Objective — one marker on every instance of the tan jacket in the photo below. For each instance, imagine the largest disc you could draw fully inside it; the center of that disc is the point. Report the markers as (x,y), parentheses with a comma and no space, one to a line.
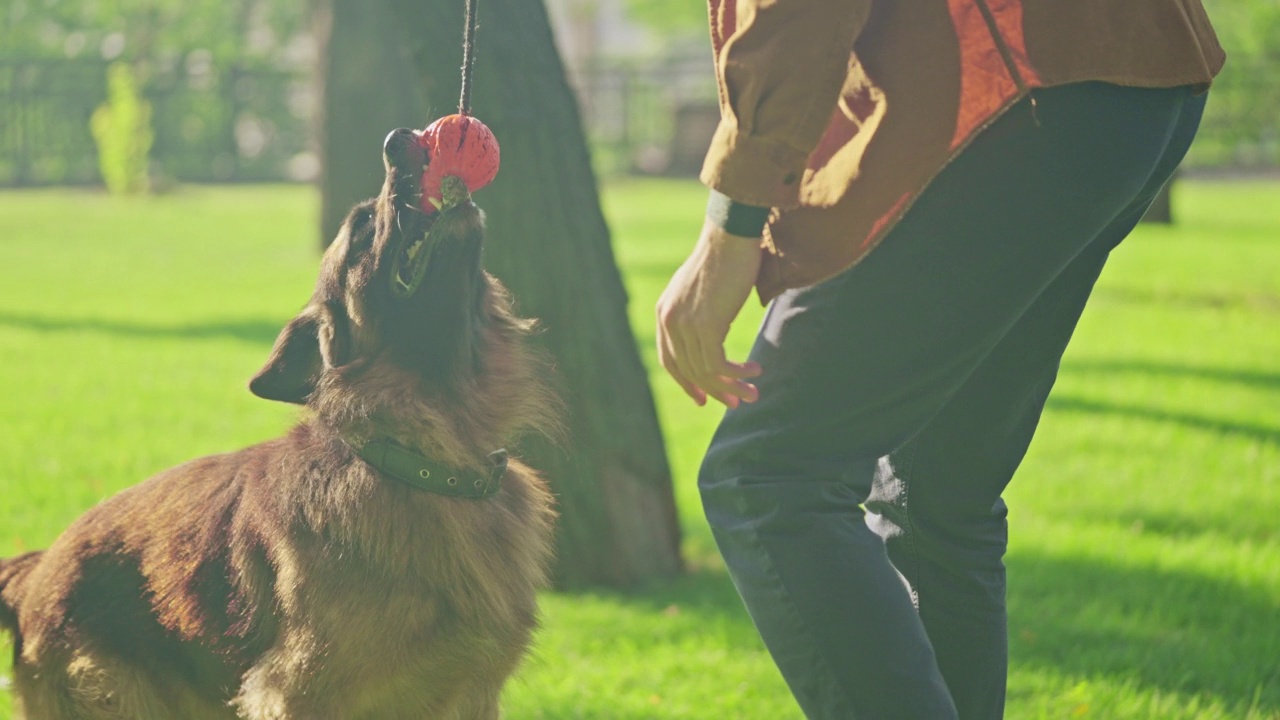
(838,113)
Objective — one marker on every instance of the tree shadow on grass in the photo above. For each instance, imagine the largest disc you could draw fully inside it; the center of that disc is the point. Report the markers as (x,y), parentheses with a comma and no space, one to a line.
(1254,431)
(576,709)
(1251,378)
(1254,301)
(1248,526)
(699,603)
(256,331)
(1171,630)
(1168,630)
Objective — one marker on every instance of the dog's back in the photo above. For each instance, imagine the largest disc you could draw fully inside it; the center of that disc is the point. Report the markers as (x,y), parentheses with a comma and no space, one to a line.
(241,585)
(13,573)
(138,609)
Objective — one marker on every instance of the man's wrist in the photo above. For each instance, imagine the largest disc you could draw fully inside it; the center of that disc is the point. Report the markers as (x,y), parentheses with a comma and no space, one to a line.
(736,218)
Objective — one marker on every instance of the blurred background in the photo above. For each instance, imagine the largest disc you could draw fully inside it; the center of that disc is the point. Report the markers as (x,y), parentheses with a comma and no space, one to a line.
(231,87)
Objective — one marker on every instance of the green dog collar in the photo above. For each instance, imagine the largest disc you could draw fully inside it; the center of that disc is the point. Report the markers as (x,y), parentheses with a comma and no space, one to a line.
(413,469)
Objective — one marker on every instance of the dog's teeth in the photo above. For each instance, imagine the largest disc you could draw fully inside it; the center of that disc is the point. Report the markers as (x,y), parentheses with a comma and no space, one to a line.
(412,250)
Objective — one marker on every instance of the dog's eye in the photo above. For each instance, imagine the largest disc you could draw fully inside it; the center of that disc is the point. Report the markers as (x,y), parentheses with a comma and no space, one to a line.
(362,238)
(362,231)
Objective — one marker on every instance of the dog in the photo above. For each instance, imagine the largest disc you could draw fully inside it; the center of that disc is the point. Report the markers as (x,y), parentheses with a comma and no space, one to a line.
(381,560)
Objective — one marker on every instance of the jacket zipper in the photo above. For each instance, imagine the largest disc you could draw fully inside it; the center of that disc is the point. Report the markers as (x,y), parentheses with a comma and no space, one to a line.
(1006,55)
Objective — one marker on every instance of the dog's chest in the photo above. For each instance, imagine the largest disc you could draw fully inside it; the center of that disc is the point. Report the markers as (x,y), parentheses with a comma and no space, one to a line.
(375,650)
(390,600)
(409,602)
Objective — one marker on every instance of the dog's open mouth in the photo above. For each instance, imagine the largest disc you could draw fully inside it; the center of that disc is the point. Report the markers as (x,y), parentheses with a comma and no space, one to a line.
(413,256)
(412,243)
(418,246)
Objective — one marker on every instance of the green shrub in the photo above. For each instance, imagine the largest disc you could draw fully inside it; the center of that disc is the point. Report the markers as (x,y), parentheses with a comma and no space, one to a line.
(121,127)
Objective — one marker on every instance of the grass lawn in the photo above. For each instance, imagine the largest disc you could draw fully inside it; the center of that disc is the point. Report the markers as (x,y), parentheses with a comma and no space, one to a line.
(1145,562)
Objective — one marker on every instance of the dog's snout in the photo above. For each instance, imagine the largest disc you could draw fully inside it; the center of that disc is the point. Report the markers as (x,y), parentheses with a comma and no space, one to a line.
(401,149)
(397,138)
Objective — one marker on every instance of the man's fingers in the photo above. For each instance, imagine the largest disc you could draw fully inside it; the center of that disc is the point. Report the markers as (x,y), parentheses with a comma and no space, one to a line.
(736,389)
(718,376)
(747,391)
(693,391)
(688,372)
(698,365)
(741,371)
(683,342)
(729,401)
(669,360)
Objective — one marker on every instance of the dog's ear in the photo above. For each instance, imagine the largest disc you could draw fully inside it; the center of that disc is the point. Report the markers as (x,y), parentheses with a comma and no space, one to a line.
(335,335)
(316,339)
(290,373)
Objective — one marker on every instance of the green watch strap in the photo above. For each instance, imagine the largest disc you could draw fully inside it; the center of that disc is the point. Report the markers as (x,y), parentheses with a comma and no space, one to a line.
(413,469)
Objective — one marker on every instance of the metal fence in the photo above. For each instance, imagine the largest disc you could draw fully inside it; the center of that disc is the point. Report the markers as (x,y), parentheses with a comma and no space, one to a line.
(658,118)
(252,122)
(1241,126)
(44,121)
(651,117)
(212,124)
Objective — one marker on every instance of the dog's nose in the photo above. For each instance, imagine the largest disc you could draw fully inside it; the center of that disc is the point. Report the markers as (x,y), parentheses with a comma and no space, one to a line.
(401,149)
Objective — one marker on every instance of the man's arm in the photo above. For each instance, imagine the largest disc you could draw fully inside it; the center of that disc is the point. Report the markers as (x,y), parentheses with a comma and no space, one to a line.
(780,65)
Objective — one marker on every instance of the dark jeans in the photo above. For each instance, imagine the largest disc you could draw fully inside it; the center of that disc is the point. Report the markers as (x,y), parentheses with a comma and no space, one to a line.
(910,386)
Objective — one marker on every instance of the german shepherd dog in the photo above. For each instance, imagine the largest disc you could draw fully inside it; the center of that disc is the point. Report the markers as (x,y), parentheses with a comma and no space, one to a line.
(379,561)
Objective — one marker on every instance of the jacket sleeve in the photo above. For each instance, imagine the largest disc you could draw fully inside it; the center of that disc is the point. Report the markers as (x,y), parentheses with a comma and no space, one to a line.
(780,65)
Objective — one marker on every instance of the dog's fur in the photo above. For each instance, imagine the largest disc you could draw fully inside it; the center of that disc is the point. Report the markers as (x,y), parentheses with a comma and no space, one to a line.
(291,579)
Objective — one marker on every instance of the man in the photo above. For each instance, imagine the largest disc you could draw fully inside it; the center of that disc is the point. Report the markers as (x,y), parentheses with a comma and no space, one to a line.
(926,192)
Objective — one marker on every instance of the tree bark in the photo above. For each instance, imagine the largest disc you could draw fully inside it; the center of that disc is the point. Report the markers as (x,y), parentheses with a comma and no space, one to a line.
(548,242)
(368,88)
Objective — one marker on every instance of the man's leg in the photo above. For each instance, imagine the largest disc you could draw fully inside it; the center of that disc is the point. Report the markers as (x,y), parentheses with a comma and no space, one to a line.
(855,367)
(936,501)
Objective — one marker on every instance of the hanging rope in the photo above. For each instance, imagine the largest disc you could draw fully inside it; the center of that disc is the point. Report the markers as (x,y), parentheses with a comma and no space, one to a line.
(468,58)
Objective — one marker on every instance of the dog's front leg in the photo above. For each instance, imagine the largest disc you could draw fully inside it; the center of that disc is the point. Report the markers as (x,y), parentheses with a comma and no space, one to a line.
(273,689)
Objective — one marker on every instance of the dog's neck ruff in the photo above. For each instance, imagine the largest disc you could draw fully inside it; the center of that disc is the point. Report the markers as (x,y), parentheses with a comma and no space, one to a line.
(417,471)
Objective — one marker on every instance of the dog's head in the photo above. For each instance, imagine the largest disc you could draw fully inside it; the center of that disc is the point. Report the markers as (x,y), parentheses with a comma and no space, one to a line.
(402,314)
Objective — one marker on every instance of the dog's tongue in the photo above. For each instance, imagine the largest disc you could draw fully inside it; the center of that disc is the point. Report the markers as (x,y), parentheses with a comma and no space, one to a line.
(457,146)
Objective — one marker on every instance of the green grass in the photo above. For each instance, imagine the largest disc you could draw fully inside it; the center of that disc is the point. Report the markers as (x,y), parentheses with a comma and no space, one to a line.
(1145,561)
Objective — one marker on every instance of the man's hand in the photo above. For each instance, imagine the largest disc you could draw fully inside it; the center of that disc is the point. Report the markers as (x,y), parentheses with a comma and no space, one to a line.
(694,313)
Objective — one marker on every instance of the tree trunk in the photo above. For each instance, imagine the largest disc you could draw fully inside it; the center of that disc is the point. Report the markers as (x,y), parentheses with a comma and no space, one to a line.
(1161,210)
(368,88)
(387,63)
